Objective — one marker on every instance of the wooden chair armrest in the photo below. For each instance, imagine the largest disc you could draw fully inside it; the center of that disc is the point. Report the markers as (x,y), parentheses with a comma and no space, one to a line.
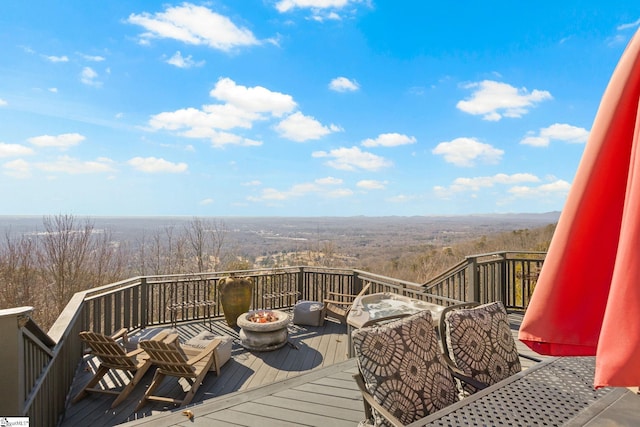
(370,400)
(330,301)
(135,352)
(121,333)
(338,294)
(205,351)
(166,337)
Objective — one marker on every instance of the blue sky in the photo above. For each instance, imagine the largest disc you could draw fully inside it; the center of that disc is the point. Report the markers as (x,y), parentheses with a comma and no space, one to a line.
(300,107)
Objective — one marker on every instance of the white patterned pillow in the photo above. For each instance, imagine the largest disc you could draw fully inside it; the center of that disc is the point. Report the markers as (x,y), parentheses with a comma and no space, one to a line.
(403,368)
(481,343)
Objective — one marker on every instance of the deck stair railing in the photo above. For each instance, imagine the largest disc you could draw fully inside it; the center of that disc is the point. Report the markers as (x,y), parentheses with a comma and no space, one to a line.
(506,276)
(37,368)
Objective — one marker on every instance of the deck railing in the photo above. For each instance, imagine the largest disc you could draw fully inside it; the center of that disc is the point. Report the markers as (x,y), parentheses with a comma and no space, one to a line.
(40,367)
(509,277)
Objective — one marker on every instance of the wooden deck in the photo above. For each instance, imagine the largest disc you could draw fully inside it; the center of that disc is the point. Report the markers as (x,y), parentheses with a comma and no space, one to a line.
(309,380)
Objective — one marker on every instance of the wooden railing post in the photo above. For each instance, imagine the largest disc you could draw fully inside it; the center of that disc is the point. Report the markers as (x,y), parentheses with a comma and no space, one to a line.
(501,282)
(144,303)
(301,285)
(473,280)
(357,283)
(12,361)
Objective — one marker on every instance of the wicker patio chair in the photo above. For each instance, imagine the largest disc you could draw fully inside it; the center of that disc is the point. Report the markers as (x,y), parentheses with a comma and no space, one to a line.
(112,355)
(170,359)
(402,375)
(477,342)
(338,305)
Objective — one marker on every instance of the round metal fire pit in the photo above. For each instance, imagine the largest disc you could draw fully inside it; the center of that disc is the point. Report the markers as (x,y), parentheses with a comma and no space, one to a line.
(270,334)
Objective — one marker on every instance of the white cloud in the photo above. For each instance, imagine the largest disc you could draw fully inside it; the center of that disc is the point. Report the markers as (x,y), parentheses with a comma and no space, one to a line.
(155,165)
(340,192)
(320,187)
(371,184)
(558,187)
(401,198)
(217,116)
(629,25)
(558,132)
(3,102)
(53,89)
(343,84)
(13,150)
(287,5)
(269,194)
(74,166)
(205,202)
(494,100)
(17,168)
(94,58)
(476,184)
(183,62)
(194,25)
(535,141)
(519,186)
(353,158)
(329,180)
(564,132)
(253,183)
(53,58)
(221,139)
(321,10)
(389,140)
(466,151)
(89,77)
(298,127)
(242,107)
(255,99)
(209,123)
(62,141)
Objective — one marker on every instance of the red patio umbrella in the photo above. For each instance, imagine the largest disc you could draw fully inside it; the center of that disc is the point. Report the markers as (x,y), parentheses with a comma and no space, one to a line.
(587,298)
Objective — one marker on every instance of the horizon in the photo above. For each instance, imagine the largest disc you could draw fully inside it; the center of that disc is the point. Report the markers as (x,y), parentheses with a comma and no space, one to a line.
(300,109)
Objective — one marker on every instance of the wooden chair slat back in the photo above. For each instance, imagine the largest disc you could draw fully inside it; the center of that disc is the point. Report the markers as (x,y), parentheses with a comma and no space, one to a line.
(108,351)
(168,356)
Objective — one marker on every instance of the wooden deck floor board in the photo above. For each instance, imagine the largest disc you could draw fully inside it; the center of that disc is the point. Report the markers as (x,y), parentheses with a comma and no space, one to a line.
(249,419)
(332,401)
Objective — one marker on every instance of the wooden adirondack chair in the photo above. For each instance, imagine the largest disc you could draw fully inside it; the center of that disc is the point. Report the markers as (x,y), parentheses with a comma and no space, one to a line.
(170,359)
(338,305)
(112,355)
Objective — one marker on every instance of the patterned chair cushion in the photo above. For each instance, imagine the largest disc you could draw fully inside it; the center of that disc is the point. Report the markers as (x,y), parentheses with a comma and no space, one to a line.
(403,369)
(481,344)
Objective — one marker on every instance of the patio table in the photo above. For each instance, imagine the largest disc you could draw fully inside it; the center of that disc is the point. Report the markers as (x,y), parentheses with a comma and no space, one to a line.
(371,309)
(558,391)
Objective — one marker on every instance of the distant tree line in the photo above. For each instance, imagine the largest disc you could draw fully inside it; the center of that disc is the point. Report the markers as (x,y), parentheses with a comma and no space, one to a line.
(44,269)
(420,265)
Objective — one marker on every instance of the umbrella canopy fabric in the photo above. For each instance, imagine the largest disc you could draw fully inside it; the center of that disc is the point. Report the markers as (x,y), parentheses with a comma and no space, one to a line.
(587,298)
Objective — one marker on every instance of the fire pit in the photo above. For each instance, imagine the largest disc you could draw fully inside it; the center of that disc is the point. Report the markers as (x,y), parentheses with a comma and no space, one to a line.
(263,330)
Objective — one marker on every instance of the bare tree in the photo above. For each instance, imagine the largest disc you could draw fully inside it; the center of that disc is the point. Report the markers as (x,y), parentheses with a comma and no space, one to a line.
(63,254)
(107,259)
(206,239)
(18,271)
(197,237)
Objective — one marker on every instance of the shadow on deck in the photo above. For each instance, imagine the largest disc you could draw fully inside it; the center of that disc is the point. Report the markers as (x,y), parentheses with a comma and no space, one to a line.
(309,348)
